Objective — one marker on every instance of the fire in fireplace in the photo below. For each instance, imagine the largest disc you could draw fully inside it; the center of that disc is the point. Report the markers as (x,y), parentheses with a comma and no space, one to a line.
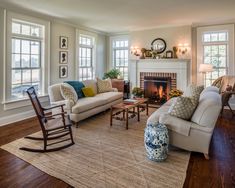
(157,89)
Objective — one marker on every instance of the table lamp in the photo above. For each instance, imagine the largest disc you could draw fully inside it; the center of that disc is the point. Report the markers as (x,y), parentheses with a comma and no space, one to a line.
(205,68)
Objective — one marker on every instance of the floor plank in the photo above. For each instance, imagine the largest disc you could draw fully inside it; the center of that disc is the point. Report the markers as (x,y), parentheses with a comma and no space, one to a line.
(219,171)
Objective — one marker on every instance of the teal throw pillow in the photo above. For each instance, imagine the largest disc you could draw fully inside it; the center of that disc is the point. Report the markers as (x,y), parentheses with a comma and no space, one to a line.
(77,87)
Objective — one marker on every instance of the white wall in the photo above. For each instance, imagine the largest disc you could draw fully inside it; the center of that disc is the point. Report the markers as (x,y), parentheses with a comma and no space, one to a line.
(172,35)
(57,29)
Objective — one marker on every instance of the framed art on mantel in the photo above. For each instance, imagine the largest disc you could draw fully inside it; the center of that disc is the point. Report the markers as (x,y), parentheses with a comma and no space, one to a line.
(63,42)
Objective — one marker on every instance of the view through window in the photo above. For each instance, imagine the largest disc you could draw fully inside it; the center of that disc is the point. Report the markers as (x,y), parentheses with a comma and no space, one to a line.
(26,69)
(120,57)
(86,64)
(215,52)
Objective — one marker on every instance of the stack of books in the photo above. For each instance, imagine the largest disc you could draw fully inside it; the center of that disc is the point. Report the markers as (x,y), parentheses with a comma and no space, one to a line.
(130,101)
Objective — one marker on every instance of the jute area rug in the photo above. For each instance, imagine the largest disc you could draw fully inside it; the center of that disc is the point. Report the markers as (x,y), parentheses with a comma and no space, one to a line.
(105,156)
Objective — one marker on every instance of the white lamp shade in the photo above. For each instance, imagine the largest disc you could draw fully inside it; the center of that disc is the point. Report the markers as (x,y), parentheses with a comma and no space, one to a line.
(204,68)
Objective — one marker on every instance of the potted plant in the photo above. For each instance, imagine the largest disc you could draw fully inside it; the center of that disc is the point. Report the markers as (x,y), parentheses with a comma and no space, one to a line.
(137,92)
(112,74)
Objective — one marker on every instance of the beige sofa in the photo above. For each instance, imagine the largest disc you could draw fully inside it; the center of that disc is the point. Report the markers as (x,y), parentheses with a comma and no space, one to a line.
(87,106)
(194,135)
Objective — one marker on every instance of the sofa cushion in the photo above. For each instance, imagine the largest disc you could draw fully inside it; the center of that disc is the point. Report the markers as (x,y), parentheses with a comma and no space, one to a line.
(183,107)
(77,86)
(68,93)
(88,92)
(87,103)
(92,84)
(208,109)
(104,85)
(191,90)
(211,88)
(109,96)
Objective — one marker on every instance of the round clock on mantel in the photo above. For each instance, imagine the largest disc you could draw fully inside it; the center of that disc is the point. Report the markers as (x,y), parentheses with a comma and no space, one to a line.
(158,45)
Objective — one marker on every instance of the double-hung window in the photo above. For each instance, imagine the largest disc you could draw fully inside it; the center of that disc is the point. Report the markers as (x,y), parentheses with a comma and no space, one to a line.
(86,57)
(215,52)
(120,51)
(26,52)
(215,47)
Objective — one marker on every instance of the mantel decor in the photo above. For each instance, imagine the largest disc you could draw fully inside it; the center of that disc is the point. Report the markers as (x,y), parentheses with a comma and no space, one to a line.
(158,45)
(169,54)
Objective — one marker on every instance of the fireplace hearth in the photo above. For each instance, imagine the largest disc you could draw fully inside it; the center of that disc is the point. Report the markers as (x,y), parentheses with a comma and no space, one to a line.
(156,89)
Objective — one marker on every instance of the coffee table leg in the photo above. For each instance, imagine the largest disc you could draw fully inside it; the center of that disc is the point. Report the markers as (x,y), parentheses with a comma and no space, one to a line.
(111,116)
(127,112)
(138,112)
(123,115)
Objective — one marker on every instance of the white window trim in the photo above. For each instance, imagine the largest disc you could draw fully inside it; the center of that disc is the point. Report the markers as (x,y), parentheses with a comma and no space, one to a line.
(111,55)
(230,61)
(9,103)
(94,50)
(114,38)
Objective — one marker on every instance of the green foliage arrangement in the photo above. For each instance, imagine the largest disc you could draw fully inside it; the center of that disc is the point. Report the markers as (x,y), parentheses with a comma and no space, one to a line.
(112,74)
(137,92)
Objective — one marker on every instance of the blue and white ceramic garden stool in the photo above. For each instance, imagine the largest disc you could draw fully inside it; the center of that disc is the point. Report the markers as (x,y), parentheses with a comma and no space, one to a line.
(156,141)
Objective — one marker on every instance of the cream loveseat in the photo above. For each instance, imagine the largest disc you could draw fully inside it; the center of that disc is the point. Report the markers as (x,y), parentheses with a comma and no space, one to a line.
(86,106)
(194,135)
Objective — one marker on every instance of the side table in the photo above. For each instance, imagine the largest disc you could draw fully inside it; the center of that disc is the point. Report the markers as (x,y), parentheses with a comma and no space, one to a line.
(225,100)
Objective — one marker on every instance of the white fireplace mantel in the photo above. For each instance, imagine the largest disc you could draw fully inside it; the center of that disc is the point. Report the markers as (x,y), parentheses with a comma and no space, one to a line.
(178,66)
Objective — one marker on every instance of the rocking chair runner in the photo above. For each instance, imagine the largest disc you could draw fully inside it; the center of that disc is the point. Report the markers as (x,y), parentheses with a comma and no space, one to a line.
(54,127)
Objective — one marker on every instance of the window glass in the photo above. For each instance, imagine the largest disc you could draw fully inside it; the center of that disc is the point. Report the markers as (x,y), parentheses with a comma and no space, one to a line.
(86,68)
(120,57)
(215,52)
(25,58)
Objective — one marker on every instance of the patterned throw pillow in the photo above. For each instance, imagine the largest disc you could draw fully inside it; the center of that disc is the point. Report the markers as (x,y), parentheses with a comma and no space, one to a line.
(104,85)
(88,92)
(68,93)
(183,107)
(194,92)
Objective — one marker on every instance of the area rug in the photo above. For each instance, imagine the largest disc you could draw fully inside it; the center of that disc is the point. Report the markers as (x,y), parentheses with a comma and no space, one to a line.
(105,156)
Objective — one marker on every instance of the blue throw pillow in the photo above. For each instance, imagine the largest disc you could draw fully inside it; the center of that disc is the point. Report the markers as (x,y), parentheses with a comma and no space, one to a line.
(77,87)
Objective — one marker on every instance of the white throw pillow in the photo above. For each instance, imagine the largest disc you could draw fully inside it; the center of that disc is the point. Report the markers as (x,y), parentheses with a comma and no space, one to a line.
(104,85)
(68,93)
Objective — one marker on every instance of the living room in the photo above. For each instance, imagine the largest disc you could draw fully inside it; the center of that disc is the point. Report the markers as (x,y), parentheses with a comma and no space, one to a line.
(158,51)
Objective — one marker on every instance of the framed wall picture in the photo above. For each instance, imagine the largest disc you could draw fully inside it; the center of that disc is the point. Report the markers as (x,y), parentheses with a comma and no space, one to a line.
(63,42)
(63,71)
(63,57)
(169,54)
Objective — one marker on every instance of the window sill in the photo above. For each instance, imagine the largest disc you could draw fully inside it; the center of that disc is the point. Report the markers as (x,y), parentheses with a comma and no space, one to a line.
(14,104)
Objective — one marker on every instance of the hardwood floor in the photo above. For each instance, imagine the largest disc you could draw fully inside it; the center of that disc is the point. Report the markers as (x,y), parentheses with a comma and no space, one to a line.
(219,171)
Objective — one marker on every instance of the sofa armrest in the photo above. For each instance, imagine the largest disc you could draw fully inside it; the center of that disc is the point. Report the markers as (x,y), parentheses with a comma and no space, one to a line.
(176,124)
(182,126)
(114,89)
(67,103)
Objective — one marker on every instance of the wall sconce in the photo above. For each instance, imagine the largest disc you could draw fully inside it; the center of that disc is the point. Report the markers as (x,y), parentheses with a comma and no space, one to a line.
(135,51)
(183,48)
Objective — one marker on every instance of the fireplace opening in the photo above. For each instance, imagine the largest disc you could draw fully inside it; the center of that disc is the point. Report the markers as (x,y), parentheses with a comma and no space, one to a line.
(156,89)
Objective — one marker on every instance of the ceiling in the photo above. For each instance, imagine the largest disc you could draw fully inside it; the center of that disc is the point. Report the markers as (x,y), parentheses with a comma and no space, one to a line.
(113,16)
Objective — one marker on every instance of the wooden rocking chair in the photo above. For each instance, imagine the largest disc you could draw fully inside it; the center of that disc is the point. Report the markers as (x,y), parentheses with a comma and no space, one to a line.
(54,127)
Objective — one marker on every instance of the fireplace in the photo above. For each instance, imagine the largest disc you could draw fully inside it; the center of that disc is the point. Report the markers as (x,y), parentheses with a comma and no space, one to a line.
(156,89)
(157,86)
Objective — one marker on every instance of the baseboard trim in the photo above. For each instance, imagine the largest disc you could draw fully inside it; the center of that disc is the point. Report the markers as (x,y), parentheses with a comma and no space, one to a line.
(16,117)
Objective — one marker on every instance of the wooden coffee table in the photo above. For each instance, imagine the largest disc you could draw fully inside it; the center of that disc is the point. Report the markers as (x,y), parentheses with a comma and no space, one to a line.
(124,111)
